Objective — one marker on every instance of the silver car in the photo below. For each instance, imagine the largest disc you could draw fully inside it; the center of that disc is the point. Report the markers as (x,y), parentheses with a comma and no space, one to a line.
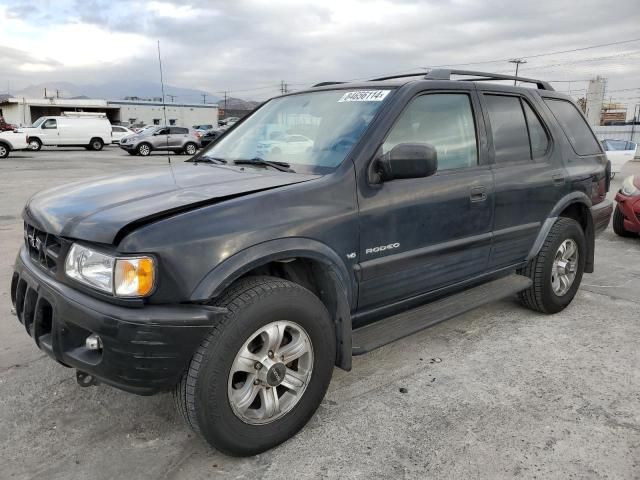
(175,139)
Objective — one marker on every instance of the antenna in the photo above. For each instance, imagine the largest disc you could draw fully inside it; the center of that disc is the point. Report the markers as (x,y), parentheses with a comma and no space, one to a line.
(164,107)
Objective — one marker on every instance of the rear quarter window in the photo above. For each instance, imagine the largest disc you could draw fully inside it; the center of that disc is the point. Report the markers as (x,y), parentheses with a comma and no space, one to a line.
(574,126)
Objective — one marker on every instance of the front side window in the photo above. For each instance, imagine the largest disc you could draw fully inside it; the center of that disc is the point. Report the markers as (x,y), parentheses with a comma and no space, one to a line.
(444,120)
(50,123)
(162,131)
(574,126)
(326,125)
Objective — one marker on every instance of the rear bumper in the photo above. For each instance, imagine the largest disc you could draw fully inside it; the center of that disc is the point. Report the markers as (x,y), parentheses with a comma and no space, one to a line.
(601,214)
(145,350)
(630,207)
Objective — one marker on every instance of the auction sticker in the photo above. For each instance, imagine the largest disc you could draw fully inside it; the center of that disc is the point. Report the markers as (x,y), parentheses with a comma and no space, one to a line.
(364,96)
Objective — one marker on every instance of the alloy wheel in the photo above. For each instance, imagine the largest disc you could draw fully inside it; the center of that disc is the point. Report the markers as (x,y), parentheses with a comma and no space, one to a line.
(270,373)
(565,267)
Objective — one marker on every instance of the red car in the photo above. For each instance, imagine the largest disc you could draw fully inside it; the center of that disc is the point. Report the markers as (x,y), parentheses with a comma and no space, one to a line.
(5,127)
(626,218)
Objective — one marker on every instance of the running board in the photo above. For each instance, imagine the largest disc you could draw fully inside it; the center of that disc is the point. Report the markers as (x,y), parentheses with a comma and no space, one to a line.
(387,330)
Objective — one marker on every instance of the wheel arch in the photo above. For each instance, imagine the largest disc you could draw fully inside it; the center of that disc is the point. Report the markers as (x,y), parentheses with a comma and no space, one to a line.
(306,262)
(576,205)
(7,144)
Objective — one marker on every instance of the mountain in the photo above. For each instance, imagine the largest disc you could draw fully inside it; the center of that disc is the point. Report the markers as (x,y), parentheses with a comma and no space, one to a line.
(115,91)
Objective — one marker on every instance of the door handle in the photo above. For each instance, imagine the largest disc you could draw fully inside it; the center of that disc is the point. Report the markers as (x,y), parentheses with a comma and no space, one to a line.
(558,179)
(478,194)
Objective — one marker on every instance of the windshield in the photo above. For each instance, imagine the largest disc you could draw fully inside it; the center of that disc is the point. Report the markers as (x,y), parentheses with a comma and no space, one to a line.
(312,132)
(37,123)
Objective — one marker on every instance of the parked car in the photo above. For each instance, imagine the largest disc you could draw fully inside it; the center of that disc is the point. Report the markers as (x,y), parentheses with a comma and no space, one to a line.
(6,127)
(92,131)
(626,217)
(228,122)
(118,132)
(285,145)
(12,140)
(203,128)
(619,152)
(176,139)
(239,282)
(210,136)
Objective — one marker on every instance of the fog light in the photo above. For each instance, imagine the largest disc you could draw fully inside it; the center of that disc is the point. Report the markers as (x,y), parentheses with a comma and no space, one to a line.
(93,342)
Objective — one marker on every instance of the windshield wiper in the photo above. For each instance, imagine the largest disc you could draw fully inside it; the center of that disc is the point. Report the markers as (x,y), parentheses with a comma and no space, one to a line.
(207,159)
(282,166)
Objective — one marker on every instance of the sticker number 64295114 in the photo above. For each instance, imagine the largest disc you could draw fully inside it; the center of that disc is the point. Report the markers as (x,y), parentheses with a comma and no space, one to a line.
(364,96)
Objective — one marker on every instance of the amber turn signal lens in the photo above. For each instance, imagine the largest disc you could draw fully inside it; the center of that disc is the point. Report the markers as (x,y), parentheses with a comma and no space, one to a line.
(134,277)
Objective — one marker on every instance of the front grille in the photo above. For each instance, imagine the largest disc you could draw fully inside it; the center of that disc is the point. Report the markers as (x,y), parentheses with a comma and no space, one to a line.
(44,248)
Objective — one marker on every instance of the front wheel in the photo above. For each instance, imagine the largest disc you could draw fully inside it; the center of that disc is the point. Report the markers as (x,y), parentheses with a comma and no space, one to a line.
(35,144)
(618,224)
(263,370)
(144,149)
(556,271)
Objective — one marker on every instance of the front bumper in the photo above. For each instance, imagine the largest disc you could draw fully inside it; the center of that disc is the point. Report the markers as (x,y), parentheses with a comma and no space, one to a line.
(144,350)
(601,214)
(630,207)
(126,146)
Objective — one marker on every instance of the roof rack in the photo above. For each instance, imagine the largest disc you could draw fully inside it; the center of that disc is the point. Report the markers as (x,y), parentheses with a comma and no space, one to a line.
(442,74)
(324,84)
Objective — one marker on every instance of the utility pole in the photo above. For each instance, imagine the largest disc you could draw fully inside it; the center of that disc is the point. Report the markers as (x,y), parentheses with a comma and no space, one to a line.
(204,97)
(225,102)
(283,87)
(517,61)
(171,97)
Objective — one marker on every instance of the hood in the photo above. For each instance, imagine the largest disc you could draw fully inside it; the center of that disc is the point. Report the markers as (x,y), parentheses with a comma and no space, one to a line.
(97,210)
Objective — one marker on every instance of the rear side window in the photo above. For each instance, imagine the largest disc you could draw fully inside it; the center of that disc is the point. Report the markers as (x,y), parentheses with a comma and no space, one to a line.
(575,126)
(508,128)
(537,133)
(445,120)
(179,130)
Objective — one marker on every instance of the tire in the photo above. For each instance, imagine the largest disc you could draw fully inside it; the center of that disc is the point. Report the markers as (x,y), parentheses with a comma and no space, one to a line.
(541,296)
(203,395)
(96,144)
(144,149)
(618,224)
(35,144)
(4,150)
(190,148)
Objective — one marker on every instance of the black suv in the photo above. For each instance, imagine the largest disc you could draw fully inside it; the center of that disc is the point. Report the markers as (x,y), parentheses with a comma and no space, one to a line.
(238,279)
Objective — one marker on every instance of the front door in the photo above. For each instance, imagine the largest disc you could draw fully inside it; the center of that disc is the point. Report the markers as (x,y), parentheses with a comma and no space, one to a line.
(49,132)
(418,235)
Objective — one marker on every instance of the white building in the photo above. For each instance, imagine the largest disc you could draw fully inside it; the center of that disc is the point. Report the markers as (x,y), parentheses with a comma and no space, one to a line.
(25,111)
(595,99)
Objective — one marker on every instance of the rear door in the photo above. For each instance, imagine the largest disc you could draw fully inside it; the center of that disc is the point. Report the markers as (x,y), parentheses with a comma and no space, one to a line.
(529,176)
(418,235)
(178,136)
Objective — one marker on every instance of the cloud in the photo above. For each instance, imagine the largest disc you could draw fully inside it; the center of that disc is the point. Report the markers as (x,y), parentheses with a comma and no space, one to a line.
(248,46)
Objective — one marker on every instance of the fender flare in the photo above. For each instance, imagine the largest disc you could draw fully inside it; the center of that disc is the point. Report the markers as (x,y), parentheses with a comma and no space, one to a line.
(343,294)
(563,203)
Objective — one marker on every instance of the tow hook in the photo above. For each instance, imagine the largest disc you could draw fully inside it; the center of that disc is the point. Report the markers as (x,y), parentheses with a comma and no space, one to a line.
(85,379)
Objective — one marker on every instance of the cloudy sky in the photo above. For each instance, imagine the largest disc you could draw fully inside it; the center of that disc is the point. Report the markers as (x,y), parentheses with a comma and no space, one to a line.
(247,47)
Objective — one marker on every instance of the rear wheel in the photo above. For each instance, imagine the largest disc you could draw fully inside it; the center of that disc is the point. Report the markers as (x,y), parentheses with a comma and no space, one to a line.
(96,144)
(190,148)
(618,224)
(556,271)
(4,150)
(263,370)
(144,149)
(35,144)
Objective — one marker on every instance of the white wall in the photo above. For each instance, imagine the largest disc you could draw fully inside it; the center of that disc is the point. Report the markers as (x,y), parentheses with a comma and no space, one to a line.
(13,113)
(184,115)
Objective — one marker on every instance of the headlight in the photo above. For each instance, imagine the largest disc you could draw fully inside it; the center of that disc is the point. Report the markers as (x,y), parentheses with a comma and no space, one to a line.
(629,188)
(123,277)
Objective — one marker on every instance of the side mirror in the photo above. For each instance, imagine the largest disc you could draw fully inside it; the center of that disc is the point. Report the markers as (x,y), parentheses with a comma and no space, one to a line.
(405,160)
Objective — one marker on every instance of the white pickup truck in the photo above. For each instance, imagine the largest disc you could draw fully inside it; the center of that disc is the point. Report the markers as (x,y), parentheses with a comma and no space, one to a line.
(12,140)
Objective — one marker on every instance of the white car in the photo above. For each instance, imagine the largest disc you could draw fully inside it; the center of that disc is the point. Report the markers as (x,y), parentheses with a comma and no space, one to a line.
(10,141)
(71,129)
(118,132)
(285,145)
(618,153)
